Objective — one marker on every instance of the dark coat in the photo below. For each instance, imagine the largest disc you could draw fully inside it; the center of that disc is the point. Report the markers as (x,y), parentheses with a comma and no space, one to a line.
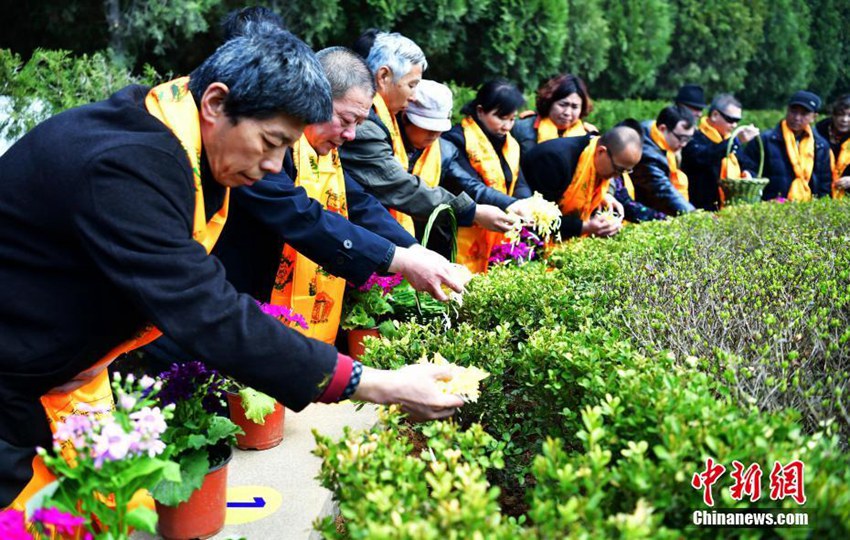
(96,215)
(822,127)
(777,166)
(471,182)
(652,182)
(549,169)
(701,159)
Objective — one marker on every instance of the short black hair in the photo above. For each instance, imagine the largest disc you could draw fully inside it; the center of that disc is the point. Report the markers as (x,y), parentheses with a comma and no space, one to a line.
(246,20)
(497,95)
(671,115)
(363,44)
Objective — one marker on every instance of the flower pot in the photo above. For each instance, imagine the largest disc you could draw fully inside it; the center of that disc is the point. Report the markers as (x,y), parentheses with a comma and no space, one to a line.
(257,436)
(355,340)
(203,514)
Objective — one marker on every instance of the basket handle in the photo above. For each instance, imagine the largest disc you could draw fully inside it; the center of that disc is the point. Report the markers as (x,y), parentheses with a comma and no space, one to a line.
(433,218)
(761,147)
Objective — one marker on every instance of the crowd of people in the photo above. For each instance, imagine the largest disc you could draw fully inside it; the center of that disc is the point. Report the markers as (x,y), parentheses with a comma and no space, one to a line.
(157,217)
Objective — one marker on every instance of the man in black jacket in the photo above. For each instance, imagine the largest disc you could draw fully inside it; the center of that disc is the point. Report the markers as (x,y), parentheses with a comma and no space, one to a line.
(809,173)
(102,215)
(704,158)
(551,167)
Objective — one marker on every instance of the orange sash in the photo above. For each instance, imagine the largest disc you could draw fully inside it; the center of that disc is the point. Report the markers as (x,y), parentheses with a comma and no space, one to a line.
(301,284)
(475,243)
(429,166)
(547,130)
(802,158)
(172,104)
(629,185)
(839,163)
(585,193)
(677,177)
(398,151)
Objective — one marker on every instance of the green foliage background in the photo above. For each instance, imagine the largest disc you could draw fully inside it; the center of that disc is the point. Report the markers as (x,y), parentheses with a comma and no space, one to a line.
(761,49)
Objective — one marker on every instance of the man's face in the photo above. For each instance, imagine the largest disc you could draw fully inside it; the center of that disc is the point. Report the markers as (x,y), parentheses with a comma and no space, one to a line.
(241,152)
(420,138)
(727,120)
(798,118)
(696,111)
(349,112)
(841,120)
(610,165)
(678,137)
(398,94)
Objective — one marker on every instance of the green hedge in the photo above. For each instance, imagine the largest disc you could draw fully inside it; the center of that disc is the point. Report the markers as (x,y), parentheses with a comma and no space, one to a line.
(615,375)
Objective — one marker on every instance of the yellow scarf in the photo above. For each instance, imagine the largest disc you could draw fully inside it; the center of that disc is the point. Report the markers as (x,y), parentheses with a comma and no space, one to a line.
(429,166)
(172,104)
(585,193)
(301,284)
(629,185)
(547,130)
(729,167)
(475,243)
(677,177)
(838,165)
(802,160)
(398,151)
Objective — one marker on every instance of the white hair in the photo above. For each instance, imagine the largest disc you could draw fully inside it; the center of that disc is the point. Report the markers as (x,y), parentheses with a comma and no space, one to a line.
(396,52)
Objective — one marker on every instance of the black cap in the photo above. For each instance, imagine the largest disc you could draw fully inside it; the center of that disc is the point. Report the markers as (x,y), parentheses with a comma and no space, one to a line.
(808,100)
(691,95)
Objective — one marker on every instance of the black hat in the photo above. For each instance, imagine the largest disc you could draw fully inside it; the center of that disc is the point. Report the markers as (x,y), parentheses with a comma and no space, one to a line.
(691,95)
(808,100)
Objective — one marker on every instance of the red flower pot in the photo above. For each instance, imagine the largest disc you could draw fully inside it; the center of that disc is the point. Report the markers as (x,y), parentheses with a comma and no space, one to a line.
(257,436)
(203,514)
(355,340)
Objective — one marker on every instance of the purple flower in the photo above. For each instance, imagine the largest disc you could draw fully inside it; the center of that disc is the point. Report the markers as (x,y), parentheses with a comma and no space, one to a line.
(65,524)
(111,444)
(148,425)
(284,314)
(74,429)
(13,526)
(182,381)
(386,283)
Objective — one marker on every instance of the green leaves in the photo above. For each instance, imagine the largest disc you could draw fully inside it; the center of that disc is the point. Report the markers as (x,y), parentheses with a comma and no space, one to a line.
(257,405)
(194,466)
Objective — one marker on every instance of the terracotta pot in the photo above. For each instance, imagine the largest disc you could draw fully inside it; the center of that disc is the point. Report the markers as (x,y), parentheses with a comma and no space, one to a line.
(355,340)
(202,516)
(256,437)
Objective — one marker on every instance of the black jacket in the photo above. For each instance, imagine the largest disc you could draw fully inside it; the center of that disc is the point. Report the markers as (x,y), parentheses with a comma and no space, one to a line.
(701,159)
(473,184)
(652,179)
(822,128)
(96,214)
(273,211)
(549,168)
(777,166)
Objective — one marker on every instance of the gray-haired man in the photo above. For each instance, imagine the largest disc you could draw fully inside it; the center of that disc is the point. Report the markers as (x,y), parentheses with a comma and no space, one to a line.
(376,158)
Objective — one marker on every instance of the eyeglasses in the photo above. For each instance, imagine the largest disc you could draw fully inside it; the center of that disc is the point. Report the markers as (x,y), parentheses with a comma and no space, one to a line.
(684,139)
(729,119)
(617,169)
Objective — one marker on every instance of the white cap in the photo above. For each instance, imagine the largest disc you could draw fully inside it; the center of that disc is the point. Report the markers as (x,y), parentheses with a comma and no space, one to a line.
(431,107)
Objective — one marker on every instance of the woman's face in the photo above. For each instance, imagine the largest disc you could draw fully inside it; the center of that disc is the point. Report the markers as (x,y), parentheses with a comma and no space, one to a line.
(566,111)
(495,124)
(841,120)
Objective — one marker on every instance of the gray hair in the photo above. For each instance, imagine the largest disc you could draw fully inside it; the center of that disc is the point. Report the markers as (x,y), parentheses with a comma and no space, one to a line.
(268,73)
(722,101)
(396,52)
(345,70)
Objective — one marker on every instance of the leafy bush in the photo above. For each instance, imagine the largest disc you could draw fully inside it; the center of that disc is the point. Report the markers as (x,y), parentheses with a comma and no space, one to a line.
(52,81)
(617,374)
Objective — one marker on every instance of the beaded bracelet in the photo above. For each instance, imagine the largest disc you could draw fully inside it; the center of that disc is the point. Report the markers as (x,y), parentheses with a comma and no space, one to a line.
(354,381)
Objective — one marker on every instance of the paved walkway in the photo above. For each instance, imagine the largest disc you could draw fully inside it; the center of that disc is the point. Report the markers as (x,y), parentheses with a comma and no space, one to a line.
(285,477)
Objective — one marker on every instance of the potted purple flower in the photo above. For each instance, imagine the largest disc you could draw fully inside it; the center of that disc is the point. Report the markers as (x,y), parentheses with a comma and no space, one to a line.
(199,440)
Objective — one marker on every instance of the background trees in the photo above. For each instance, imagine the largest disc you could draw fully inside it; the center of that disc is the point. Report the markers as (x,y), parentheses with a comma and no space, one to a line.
(761,49)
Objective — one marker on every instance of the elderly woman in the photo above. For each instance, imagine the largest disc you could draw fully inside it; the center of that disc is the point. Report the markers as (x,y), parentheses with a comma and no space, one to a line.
(562,103)
(836,130)
(490,154)
(377,158)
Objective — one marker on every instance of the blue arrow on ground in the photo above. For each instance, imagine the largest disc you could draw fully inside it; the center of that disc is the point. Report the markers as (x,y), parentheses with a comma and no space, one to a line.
(259,502)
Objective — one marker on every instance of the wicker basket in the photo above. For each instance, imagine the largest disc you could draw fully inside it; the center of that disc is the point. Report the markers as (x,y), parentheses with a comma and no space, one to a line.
(743,190)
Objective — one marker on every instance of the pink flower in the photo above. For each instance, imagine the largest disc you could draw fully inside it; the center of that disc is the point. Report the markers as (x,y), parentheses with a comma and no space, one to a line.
(386,283)
(284,314)
(64,523)
(73,429)
(111,444)
(13,526)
